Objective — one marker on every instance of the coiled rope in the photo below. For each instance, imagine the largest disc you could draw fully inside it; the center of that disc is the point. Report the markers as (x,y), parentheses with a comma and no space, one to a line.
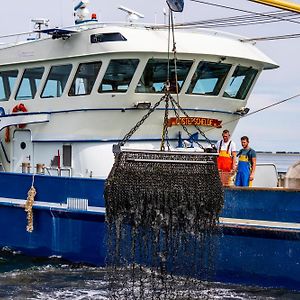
(28,206)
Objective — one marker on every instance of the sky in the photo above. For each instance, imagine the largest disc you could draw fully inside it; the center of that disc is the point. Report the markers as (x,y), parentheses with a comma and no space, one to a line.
(274,129)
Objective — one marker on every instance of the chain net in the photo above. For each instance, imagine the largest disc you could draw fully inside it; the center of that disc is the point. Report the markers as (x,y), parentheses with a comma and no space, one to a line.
(177,188)
(162,209)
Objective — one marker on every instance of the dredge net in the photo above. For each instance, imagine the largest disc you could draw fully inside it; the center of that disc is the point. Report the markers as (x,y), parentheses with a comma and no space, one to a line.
(162,213)
(172,190)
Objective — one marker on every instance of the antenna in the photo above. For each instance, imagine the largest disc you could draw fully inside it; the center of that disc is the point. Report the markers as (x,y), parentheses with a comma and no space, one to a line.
(165,15)
(38,23)
(131,14)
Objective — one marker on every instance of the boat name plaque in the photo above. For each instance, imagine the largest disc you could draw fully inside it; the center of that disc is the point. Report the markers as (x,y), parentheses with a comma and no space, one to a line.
(199,121)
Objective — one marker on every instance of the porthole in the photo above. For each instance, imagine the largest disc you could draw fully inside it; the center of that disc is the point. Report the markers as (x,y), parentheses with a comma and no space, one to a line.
(23,145)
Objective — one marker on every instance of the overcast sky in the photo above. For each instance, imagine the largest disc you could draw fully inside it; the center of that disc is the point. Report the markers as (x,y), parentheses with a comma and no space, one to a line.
(274,129)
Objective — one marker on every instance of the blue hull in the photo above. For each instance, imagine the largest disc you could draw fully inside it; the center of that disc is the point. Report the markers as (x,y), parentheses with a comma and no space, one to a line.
(263,250)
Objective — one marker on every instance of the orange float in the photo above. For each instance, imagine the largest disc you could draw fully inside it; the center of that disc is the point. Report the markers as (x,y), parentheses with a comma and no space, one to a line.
(18,108)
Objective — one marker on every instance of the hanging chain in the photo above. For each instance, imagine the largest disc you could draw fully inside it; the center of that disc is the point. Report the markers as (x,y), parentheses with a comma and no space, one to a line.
(164,135)
(195,125)
(164,138)
(182,125)
(139,123)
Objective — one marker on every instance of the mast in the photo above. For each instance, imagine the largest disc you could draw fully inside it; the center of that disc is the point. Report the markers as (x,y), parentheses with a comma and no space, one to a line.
(287,5)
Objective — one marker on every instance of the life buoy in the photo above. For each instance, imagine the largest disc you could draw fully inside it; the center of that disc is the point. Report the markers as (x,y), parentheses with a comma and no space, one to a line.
(18,108)
(7,135)
(22,108)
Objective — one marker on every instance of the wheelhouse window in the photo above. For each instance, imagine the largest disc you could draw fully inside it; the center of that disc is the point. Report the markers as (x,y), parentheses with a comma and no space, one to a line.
(7,82)
(85,78)
(30,82)
(107,37)
(240,82)
(56,81)
(118,75)
(208,78)
(155,75)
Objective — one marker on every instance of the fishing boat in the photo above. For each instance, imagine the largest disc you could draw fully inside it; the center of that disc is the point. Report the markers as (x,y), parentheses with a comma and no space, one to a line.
(70,94)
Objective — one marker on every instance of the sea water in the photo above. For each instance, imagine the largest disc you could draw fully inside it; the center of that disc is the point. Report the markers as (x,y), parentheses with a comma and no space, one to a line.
(283,161)
(23,277)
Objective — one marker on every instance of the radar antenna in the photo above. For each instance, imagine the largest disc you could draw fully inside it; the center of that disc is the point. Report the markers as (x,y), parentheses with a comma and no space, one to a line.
(131,14)
(38,25)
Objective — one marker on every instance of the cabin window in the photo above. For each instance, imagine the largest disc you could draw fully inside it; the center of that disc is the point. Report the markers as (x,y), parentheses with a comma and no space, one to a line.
(107,37)
(118,75)
(30,82)
(240,82)
(155,75)
(7,82)
(208,78)
(56,81)
(85,78)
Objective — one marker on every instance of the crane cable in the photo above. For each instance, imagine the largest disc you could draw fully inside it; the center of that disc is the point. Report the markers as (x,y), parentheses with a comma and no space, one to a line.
(168,98)
(240,20)
(164,135)
(243,10)
(259,110)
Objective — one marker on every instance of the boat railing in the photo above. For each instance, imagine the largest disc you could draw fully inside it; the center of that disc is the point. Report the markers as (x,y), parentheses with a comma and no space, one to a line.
(45,170)
(34,35)
(15,38)
(65,171)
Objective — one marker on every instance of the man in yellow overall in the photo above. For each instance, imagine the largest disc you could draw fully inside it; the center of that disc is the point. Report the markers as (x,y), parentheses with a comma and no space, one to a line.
(227,153)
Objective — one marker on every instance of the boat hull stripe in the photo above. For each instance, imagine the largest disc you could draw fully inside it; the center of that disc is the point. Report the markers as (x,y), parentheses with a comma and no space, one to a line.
(49,205)
(224,222)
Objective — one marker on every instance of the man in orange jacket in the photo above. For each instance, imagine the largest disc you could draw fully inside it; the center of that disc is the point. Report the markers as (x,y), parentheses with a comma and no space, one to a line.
(227,153)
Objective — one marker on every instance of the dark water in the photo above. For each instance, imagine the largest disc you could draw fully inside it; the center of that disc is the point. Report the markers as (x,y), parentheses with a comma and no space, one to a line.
(23,277)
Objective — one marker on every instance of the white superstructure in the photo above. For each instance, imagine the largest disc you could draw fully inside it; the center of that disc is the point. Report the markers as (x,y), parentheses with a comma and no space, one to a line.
(84,90)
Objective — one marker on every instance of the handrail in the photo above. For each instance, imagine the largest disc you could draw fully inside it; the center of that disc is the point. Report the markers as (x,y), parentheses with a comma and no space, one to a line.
(94,25)
(4,152)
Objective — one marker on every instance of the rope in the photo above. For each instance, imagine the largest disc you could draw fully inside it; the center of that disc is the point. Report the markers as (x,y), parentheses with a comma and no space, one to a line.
(237,20)
(259,110)
(244,11)
(273,38)
(175,56)
(28,206)
(169,39)
(273,104)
